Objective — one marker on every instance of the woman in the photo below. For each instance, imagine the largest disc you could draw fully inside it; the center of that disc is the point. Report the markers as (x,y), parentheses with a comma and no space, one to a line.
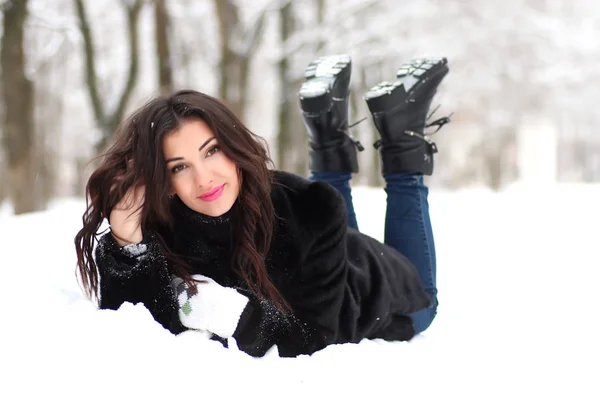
(208,238)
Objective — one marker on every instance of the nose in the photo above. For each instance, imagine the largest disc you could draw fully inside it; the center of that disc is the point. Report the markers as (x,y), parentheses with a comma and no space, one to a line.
(202,177)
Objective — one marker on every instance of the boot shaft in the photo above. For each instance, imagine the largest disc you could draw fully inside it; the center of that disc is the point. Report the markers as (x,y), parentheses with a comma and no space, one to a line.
(329,126)
(330,146)
(324,99)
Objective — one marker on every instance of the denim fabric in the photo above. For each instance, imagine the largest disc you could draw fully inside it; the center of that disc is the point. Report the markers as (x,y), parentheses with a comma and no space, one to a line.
(407,227)
(408,230)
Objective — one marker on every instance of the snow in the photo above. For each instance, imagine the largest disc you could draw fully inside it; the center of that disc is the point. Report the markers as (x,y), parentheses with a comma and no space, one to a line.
(518,272)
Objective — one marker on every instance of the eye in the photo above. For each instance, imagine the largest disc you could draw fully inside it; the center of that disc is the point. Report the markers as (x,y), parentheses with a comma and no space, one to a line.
(212,150)
(177,168)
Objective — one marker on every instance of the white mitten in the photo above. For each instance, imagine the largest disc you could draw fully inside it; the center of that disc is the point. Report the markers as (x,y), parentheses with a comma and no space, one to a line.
(214,308)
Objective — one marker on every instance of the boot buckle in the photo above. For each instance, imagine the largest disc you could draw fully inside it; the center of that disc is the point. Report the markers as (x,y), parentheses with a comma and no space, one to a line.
(358,145)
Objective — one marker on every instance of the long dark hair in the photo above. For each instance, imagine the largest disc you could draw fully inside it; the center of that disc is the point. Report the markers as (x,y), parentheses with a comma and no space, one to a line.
(138,144)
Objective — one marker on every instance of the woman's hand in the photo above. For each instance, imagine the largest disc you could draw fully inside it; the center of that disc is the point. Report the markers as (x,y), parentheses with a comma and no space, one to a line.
(125,218)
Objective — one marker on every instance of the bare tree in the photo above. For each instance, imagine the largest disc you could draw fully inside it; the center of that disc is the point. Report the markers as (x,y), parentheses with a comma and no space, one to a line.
(3,181)
(19,117)
(288,99)
(108,120)
(163,50)
(292,140)
(238,44)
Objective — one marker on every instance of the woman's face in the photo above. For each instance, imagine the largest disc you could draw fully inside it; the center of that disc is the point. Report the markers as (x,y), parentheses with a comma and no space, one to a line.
(201,175)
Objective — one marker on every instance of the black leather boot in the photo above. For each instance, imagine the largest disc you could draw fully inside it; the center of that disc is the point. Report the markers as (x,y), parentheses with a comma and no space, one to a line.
(400,112)
(324,102)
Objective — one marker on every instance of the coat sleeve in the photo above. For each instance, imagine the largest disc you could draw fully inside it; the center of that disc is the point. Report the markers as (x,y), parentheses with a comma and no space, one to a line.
(137,274)
(321,300)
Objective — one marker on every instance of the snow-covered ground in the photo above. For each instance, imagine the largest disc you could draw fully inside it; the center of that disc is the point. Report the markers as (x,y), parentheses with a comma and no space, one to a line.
(518,315)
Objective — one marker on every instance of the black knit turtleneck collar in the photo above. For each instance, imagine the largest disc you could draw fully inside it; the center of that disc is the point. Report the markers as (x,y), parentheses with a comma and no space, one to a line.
(213,230)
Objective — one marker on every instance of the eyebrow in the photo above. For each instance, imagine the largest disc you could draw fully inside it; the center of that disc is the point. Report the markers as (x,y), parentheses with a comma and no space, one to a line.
(200,149)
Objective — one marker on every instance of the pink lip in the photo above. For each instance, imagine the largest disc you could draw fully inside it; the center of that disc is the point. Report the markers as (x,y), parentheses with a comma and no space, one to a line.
(213,194)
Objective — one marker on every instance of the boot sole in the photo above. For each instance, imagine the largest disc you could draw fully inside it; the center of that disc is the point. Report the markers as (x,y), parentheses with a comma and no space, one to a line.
(330,66)
(317,93)
(410,78)
(416,73)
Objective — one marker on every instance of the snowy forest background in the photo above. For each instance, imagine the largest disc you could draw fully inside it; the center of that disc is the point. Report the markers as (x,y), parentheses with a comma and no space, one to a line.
(523,80)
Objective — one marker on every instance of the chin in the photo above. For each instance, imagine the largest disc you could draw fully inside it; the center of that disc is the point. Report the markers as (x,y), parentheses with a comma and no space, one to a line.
(217,211)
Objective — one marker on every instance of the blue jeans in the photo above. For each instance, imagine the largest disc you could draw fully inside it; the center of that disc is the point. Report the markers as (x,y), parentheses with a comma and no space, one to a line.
(407,227)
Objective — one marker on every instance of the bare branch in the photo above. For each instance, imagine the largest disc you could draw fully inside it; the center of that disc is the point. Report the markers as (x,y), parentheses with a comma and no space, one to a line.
(109,122)
(254,34)
(90,62)
(133,12)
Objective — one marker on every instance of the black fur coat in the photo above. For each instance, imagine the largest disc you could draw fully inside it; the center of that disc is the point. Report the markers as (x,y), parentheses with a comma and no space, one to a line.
(343,286)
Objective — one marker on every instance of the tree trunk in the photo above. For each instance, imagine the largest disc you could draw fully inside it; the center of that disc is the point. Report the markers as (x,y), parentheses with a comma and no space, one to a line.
(227,17)
(373,174)
(292,141)
(3,182)
(163,51)
(48,117)
(284,137)
(237,48)
(320,20)
(19,118)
